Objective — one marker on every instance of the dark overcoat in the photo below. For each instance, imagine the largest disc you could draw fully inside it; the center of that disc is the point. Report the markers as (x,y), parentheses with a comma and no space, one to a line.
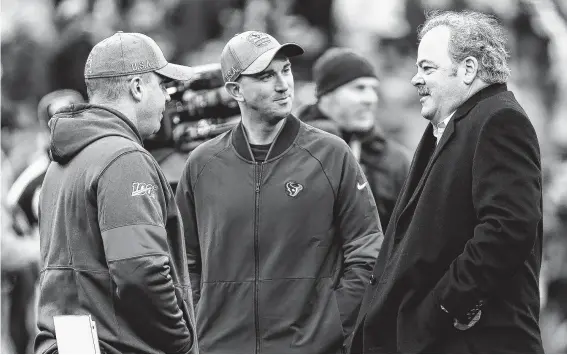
(466,229)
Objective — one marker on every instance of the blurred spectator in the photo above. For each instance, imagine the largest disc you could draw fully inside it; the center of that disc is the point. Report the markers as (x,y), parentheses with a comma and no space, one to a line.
(553,320)
(23,195)
(347,100)
(20,257)
(68,62)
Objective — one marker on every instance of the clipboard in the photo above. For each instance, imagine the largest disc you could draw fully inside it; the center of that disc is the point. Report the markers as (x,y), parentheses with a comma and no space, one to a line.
(76,334)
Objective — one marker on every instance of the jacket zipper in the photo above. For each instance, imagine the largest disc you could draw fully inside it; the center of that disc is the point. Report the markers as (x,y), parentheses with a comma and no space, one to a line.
(258,174)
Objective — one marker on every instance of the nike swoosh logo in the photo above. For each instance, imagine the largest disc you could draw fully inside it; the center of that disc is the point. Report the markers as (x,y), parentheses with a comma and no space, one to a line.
(361,186)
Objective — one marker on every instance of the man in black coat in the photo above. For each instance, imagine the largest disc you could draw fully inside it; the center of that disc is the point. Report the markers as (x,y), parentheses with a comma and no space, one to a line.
(459,267)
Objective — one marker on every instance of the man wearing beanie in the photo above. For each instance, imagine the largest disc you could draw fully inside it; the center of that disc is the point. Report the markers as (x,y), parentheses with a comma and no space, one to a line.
(347,99)
(280,226)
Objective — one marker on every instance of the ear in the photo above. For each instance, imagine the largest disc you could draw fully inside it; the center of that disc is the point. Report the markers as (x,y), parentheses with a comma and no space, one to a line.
(234,90)
(136,88)
(471,69)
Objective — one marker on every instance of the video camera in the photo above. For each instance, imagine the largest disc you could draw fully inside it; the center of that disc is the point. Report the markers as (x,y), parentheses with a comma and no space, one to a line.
(199,110)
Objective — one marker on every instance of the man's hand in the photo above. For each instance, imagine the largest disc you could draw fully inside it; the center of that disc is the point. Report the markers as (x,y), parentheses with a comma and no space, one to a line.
(469,320)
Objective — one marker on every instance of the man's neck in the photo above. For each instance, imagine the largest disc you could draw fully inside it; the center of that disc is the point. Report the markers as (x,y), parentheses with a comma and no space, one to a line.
(475,87)
(437,121)
(260,131)
(124,108)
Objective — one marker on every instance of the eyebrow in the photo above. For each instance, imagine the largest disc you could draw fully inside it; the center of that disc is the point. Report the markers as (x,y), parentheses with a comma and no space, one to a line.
(420,63)
(271,71)
(374,85)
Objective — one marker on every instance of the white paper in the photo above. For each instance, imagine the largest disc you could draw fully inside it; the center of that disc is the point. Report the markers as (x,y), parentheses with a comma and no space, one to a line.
(76,334)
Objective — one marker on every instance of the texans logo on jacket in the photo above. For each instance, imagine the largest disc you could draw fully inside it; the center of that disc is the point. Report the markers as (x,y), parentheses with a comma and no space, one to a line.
(293,188)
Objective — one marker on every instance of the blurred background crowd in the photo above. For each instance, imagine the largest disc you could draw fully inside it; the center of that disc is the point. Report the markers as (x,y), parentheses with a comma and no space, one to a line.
(45,43)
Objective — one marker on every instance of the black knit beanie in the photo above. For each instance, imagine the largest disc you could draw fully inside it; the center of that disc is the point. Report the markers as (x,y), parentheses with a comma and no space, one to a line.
(338,66)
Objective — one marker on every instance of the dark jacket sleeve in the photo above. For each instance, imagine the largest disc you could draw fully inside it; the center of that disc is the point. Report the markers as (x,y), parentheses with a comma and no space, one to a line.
(506,193)
(132,213)
(186,204)
(361,235)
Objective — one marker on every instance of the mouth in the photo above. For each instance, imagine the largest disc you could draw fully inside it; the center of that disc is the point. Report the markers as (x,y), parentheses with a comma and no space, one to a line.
(282,99)
(423,97)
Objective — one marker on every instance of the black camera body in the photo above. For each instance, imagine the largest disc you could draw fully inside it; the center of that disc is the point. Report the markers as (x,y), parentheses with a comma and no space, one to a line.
(200,109)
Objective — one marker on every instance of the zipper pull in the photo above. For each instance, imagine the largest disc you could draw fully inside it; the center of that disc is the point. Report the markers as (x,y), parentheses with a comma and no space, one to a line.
(258,182)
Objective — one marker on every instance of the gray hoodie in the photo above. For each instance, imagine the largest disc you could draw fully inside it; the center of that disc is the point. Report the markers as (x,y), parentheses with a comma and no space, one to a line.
(111,240)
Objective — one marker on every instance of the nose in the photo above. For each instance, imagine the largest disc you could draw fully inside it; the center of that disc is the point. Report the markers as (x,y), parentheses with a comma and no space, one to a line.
(417,80)
(281,84)
(166,94)
(369,96)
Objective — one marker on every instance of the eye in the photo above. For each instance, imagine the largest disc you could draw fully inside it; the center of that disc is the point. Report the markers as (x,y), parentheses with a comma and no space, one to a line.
(287,69)
(427,68)
(266,76)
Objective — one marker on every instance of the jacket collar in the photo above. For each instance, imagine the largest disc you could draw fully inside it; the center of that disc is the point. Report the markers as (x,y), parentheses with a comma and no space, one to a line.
(283,141)
(479,96)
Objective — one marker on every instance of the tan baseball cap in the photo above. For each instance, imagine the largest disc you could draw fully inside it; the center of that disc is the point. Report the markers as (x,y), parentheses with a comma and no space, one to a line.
(131,53)
(251,52)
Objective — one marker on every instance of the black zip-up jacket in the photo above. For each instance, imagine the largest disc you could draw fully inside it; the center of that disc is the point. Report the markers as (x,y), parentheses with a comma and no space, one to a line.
(280,251)
(384,161)
(104,208)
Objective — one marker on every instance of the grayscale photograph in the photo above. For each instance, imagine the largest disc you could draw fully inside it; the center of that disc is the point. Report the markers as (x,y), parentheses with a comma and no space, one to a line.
(283,176)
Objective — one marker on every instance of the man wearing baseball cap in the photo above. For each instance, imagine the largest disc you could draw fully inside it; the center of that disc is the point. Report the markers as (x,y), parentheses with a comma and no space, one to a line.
(347,101)
(111,242)
(281,228)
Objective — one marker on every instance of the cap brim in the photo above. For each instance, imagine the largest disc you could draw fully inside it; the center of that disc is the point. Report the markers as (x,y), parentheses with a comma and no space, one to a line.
(176,72)
(262,62)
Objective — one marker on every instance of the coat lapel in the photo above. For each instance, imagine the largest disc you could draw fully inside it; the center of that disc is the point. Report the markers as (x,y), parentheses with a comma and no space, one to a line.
(446,138)
(422,153)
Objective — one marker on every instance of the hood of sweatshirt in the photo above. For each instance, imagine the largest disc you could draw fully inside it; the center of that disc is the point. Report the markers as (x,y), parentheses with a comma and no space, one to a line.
(76,126)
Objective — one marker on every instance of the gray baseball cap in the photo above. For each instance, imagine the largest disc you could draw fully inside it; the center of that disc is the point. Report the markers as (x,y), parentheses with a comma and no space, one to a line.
(131,53)
(251,52)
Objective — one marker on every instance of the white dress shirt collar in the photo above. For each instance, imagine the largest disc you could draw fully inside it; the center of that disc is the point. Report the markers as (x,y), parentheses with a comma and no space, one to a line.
(440,127)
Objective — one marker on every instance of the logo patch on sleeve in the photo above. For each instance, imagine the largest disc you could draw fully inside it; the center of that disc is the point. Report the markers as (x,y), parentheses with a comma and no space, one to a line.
(293,188)
(142,188)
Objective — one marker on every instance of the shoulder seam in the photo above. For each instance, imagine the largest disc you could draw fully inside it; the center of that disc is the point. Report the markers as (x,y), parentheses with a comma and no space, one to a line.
(205,165)
(133,150)
(322,168)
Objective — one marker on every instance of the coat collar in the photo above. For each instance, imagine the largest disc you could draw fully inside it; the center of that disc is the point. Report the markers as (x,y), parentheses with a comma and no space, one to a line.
(462,112)
(476,98)
(283,141)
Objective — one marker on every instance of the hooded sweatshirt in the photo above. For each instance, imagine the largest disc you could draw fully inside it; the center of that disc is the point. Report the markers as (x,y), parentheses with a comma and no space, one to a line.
(384,162)
(111,240)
